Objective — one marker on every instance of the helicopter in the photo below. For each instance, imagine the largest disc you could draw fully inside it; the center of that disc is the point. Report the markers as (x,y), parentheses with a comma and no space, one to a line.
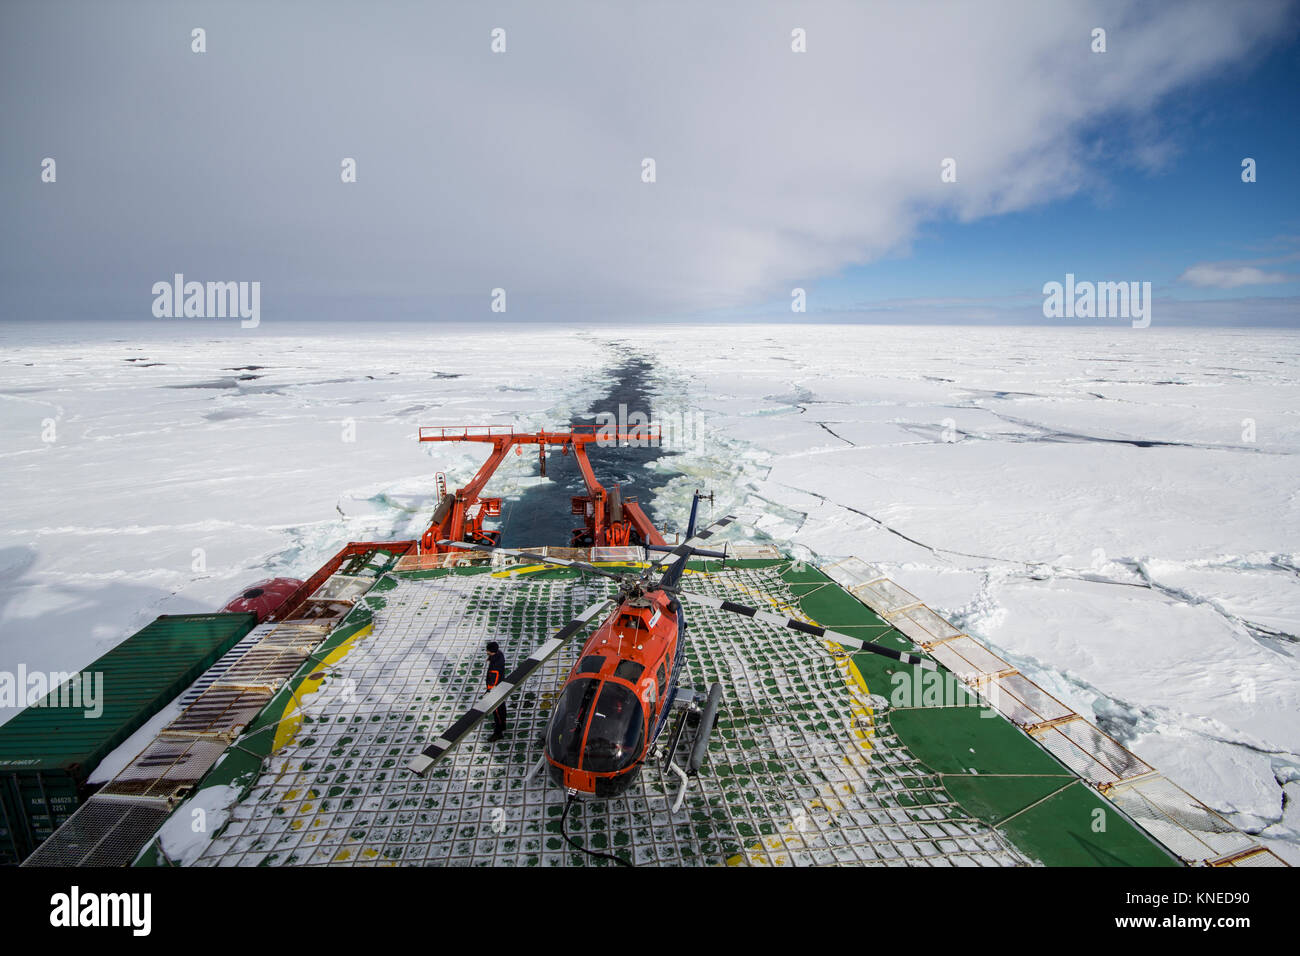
(617,699)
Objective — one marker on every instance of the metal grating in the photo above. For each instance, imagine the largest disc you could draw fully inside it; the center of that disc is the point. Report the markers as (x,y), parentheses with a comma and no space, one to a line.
(322,612)
(1089,752)
(1103,748)
(968,659)
(1252,858)
(167,769)
(265,666)
(433,559)
(1010,707)
(1024,702)
(853,572)
(753,552)
(301,634)
(103,832)
(1178,820)
(343,587)
(617,554)
(221,711)
(923,625)
(1069,753)
(884,596)
(213,673)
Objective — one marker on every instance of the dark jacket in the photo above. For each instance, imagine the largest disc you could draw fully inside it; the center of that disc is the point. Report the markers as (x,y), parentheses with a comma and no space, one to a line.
(496,669)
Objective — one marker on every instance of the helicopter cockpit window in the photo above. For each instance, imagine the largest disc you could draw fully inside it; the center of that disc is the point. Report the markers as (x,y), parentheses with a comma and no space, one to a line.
(630,671)
(570,720)
(591,664)
(629,621)
(617,730)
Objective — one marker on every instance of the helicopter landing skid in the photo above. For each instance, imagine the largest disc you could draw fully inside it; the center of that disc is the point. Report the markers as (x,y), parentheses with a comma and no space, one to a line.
(703,716)
(681,791)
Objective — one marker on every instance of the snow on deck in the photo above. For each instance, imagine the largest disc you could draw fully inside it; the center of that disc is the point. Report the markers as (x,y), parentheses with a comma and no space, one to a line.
(800,770)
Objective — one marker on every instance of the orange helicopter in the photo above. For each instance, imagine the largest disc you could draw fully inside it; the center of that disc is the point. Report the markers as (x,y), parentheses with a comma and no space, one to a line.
(616,701)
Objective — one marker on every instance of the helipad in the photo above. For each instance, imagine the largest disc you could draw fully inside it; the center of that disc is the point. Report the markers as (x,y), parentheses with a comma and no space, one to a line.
(809,764)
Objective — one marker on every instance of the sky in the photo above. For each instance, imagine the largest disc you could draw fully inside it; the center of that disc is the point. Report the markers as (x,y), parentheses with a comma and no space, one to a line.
(774,169)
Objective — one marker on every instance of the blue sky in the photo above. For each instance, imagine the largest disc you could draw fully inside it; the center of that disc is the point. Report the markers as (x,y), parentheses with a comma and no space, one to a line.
(1134,221)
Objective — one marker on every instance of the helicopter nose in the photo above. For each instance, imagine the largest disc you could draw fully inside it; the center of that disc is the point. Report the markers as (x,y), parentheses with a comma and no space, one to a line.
(579,780)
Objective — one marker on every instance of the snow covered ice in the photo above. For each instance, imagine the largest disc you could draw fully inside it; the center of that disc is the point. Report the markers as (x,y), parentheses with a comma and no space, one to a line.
(1115,511)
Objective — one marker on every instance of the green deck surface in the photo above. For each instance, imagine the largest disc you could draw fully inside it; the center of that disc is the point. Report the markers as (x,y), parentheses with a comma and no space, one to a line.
(989,766)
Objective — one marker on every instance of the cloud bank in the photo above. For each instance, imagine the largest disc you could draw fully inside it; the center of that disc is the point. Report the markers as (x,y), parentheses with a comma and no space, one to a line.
(522,170)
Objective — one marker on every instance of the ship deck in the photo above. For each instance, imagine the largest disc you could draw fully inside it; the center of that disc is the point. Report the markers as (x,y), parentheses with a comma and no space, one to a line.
(819,756)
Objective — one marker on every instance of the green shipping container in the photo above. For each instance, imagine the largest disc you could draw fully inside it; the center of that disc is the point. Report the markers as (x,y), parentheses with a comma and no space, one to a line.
(48,751)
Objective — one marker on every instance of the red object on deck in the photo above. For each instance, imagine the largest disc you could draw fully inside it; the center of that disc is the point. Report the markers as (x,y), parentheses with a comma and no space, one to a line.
(325,571)
(264,597)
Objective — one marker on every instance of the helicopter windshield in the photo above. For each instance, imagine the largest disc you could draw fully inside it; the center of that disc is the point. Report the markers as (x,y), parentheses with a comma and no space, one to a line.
(570,720)
(617,730)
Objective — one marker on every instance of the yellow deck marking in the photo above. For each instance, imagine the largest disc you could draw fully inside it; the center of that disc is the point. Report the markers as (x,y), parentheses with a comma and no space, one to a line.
(533,568)
(291,718)
(291,722)
(764,852)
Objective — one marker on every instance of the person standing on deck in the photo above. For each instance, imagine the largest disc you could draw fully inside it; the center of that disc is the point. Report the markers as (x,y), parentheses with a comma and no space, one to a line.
(496,670)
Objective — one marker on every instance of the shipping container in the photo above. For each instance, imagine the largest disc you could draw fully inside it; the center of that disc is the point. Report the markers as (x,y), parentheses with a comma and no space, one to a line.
(49,750)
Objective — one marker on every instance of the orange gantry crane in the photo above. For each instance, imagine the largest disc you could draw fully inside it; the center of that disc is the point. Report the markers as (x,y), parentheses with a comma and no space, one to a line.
(610,520)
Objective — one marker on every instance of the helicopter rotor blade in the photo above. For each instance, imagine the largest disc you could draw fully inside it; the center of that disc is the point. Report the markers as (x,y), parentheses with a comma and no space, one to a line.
(490,701)
(681,553)
(543,558)
(794,624)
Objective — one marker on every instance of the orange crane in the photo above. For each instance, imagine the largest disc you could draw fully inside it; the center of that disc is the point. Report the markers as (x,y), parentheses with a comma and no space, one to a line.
(610,520)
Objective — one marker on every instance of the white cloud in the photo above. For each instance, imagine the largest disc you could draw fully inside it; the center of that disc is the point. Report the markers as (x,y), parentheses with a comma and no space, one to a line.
(1227,275)
(522,170)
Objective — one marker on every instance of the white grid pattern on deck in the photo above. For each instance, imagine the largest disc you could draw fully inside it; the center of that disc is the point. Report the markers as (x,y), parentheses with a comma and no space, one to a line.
(814,792)
(788,778)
